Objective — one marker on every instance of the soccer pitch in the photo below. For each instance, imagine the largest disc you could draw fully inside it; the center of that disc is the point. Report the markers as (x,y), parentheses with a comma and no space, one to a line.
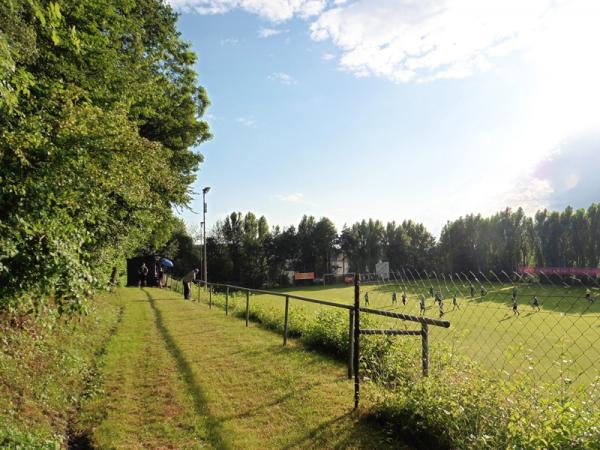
(560,341)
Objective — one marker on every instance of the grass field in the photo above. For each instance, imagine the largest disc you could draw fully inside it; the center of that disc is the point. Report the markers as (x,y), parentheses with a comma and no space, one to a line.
(562,340)
(177,375)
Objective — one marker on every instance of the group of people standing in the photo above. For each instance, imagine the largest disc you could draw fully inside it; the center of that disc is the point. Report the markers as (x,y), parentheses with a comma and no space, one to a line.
(439,299)
(159,275)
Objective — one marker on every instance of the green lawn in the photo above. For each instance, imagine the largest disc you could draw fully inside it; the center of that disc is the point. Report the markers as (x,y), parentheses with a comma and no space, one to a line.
(561,340)
(178,375)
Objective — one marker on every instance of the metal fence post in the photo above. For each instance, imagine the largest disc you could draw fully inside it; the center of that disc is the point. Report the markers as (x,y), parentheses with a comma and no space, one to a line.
(209,298)
(350,343)
(227,300)
(285,322)
(356,339)
(425,343)
(247,307)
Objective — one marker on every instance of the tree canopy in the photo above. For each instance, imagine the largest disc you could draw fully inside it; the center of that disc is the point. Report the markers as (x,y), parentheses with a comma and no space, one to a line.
(99,107)
(505,241)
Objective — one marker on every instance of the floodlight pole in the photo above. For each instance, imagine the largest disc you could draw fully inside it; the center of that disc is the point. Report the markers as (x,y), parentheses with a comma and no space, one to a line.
(201,249)
(204,192)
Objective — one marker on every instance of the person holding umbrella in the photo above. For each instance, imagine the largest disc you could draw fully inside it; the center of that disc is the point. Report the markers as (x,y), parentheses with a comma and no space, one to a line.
(165,264)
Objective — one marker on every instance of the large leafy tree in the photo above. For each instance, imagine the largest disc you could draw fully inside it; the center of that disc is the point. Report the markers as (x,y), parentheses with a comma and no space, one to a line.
(99,106)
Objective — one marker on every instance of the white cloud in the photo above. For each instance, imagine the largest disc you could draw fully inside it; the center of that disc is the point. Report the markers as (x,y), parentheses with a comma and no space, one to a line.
(327,56)
(283,78)
(246,121)
(268,32)
(410,40)
(421,40)
(274,10)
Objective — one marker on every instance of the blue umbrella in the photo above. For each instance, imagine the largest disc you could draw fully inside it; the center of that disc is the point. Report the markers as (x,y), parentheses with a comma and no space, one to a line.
(166,263)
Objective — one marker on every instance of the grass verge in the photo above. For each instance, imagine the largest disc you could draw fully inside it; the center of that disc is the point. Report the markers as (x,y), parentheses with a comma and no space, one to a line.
(47,367)
(178,375)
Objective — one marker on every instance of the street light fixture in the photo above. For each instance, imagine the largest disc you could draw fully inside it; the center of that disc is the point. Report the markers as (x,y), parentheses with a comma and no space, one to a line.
(204,192)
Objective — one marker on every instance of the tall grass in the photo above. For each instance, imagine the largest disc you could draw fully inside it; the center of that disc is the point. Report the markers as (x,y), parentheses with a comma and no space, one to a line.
(46,367)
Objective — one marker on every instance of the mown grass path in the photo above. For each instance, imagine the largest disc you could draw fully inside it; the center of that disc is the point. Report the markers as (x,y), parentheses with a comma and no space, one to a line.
(178,375)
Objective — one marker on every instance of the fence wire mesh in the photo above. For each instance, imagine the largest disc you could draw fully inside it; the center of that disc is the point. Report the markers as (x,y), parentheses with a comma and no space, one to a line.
(543,326)
(517,367)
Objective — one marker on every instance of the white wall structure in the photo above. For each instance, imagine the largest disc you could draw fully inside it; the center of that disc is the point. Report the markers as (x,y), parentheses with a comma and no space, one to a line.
(382,269)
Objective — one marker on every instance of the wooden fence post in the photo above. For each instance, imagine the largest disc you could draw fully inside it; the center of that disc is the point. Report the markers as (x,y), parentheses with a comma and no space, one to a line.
(425,344)
(209,298)
(285,322)
(350,343)
(227,301)
(198,287)
(356,339)
(247,307)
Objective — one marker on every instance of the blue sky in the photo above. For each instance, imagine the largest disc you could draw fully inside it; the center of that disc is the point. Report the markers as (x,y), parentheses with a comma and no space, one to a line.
(395,109)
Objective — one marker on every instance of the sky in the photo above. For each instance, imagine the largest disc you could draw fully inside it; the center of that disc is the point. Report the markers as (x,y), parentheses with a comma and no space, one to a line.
(396,109)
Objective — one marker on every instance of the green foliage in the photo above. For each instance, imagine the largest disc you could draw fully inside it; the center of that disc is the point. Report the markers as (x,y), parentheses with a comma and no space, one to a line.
(179,247)
(463,407)
(46,367)
(12,437)
(407,244)
(510,239)
(98,108)
(238,253)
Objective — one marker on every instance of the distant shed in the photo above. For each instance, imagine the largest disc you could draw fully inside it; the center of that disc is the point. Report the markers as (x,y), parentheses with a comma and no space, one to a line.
(133,266)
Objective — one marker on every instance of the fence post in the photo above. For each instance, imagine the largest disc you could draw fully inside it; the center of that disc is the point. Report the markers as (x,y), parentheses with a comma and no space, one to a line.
(247,307)
(198,287)
(227,300)
(209,298)
(425,343)
(350,343)
(285,323)
(356,339)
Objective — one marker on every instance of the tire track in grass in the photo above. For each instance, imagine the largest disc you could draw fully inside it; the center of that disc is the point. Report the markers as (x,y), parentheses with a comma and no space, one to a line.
(145,400)
(185,371)
(258,393)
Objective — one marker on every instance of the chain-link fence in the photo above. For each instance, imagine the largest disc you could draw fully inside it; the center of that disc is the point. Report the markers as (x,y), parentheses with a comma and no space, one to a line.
(545,325)
(517,366)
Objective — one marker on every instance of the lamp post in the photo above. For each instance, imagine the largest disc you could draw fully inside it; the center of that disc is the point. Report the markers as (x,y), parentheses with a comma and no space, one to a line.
(201,248)
(204,192)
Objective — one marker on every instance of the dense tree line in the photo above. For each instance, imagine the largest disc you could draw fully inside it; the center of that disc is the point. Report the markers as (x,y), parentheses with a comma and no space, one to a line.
(243,250)
(510,239)
(99,106)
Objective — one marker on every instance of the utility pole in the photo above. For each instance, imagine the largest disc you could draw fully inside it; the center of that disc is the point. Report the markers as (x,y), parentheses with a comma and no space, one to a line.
(204,192)
(201,248)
